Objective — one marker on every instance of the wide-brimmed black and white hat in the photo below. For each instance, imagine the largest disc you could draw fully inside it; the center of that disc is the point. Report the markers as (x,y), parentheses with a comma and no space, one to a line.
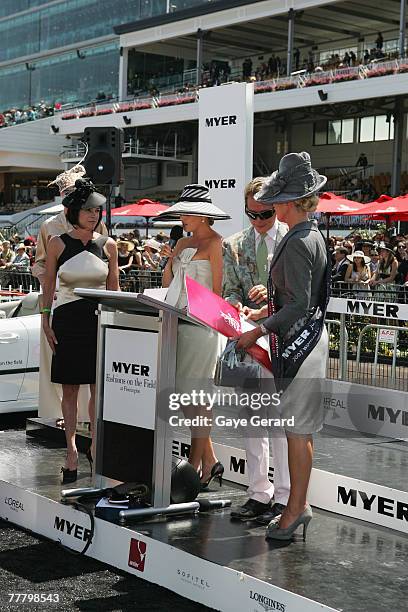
(295,180)
(194,200)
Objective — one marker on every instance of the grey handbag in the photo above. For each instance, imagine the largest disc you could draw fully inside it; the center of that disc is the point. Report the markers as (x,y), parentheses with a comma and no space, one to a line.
(231,371)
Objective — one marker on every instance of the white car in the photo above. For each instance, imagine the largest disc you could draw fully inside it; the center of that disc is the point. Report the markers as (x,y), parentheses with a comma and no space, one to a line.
(20,324)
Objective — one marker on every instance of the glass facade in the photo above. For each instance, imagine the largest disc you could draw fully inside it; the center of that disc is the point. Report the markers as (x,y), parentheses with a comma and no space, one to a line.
(64,78)
(75,21)
(9,7)
(73,77)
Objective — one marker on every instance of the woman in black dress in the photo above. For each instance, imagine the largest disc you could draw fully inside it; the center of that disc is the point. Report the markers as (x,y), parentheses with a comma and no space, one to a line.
(81,258)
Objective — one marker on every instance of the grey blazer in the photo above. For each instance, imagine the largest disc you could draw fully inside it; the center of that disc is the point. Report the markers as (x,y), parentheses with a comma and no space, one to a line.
(240,272)
(297,272)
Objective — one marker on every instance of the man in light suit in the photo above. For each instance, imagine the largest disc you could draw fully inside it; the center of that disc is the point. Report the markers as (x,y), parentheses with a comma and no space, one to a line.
(247,258)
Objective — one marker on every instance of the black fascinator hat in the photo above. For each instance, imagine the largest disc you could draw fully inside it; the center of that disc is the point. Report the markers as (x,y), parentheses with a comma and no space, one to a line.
(84,197)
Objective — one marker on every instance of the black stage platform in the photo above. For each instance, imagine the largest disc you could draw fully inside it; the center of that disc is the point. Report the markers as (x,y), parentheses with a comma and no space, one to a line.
(346,564)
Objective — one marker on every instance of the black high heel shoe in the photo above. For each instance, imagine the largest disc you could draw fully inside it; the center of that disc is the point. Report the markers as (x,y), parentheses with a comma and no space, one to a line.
(89,457)
(217,472)
(69,475)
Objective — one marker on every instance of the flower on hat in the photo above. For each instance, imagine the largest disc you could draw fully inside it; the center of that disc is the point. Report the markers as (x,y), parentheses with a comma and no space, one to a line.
(276,183)
(66,180)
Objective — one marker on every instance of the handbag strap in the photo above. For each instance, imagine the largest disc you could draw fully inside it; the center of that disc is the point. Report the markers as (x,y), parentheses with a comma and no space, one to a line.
(230,355)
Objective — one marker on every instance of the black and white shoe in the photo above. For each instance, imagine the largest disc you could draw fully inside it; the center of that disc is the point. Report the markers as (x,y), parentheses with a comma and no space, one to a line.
(268,516)
(250,510)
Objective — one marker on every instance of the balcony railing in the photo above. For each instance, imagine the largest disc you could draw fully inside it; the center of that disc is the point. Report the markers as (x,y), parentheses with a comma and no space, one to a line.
(298,81)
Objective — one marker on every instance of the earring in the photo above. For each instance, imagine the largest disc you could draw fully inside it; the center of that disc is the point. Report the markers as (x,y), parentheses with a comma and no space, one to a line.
(202,220)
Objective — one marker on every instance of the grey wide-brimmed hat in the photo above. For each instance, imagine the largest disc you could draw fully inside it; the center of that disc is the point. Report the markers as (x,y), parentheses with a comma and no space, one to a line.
(194,200)
(295,179)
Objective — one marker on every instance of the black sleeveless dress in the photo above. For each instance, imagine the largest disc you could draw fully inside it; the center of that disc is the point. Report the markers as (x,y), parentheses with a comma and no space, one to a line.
(74,319)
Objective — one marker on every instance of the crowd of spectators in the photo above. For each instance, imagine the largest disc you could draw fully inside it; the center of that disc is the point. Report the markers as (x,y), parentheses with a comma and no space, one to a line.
(379,263)
(139,259)
(17,254)
(15,116)
(376,264)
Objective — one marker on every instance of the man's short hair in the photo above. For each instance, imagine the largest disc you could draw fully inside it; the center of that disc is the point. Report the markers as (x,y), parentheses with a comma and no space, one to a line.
(254,186)
(342,250)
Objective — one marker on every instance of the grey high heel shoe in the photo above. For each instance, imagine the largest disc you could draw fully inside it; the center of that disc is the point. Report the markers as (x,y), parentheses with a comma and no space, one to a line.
(274,532)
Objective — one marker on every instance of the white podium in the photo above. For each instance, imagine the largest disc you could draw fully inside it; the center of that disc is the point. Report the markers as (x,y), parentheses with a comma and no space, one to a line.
(136,369)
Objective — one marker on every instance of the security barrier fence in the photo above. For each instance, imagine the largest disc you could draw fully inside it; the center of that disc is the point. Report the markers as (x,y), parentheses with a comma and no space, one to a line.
(389,292)
(368,343)
(135,281)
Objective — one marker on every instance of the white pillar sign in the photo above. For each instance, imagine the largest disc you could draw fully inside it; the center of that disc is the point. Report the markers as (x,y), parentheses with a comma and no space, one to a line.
(226,149)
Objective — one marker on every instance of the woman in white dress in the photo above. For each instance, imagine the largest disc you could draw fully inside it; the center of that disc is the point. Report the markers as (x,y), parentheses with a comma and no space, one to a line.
(200,257)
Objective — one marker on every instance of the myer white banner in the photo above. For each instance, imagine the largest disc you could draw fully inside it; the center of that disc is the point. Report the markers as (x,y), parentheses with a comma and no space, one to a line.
(226,149)
(386,310)
(130,374)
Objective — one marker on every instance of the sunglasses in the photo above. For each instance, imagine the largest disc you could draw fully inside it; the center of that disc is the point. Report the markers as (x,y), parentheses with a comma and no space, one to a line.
(265,214)
(402,246)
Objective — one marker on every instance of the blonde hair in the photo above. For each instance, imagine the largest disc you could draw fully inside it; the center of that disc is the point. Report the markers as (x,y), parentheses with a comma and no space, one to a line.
(254,186)
(308,204)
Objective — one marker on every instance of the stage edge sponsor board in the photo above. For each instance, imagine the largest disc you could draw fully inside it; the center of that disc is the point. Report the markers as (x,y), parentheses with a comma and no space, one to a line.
(197,579)
(365,409)
(342,495)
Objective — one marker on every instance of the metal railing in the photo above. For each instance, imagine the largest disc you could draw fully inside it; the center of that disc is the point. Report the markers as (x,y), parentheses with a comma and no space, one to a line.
(368,349)
(317,78)
(14,280)
(130,148)
(389,292)
(363,349)
(136,281)
(390,336)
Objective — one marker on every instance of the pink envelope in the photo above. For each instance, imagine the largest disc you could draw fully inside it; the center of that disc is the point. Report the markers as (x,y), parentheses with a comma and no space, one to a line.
(211,309)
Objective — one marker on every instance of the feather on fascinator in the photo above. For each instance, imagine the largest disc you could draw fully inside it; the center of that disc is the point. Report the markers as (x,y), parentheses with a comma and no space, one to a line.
(66,180)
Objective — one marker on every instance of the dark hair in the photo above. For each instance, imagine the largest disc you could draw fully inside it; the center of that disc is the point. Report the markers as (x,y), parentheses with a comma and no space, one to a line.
(355,263)
(75,200)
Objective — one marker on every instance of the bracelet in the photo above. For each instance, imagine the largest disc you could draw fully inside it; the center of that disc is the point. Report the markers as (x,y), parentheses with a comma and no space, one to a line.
(263,329)
(45,310)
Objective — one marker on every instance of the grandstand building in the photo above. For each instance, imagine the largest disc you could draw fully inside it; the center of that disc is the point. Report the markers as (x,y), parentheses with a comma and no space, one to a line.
(329,76)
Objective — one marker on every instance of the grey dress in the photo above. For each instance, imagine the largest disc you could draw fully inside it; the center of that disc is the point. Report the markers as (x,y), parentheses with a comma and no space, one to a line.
(297,272)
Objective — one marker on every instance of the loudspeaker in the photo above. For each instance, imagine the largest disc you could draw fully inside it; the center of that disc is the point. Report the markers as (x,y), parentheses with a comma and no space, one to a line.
(103,162)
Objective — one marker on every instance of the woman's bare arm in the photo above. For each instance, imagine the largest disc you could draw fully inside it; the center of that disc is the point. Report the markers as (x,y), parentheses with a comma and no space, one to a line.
(112,281)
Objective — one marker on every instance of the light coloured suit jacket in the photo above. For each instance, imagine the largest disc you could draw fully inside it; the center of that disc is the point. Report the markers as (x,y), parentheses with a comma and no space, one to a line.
(240,271)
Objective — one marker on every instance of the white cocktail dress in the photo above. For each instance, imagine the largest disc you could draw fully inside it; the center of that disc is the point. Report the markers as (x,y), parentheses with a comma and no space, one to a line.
(197,347)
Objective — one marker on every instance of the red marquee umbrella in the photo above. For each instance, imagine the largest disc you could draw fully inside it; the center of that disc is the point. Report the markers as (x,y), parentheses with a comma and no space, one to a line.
(386,207)
(143,208)
(331,204)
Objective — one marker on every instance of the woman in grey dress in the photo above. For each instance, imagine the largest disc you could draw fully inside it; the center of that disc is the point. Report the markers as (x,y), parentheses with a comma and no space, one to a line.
(298,294)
